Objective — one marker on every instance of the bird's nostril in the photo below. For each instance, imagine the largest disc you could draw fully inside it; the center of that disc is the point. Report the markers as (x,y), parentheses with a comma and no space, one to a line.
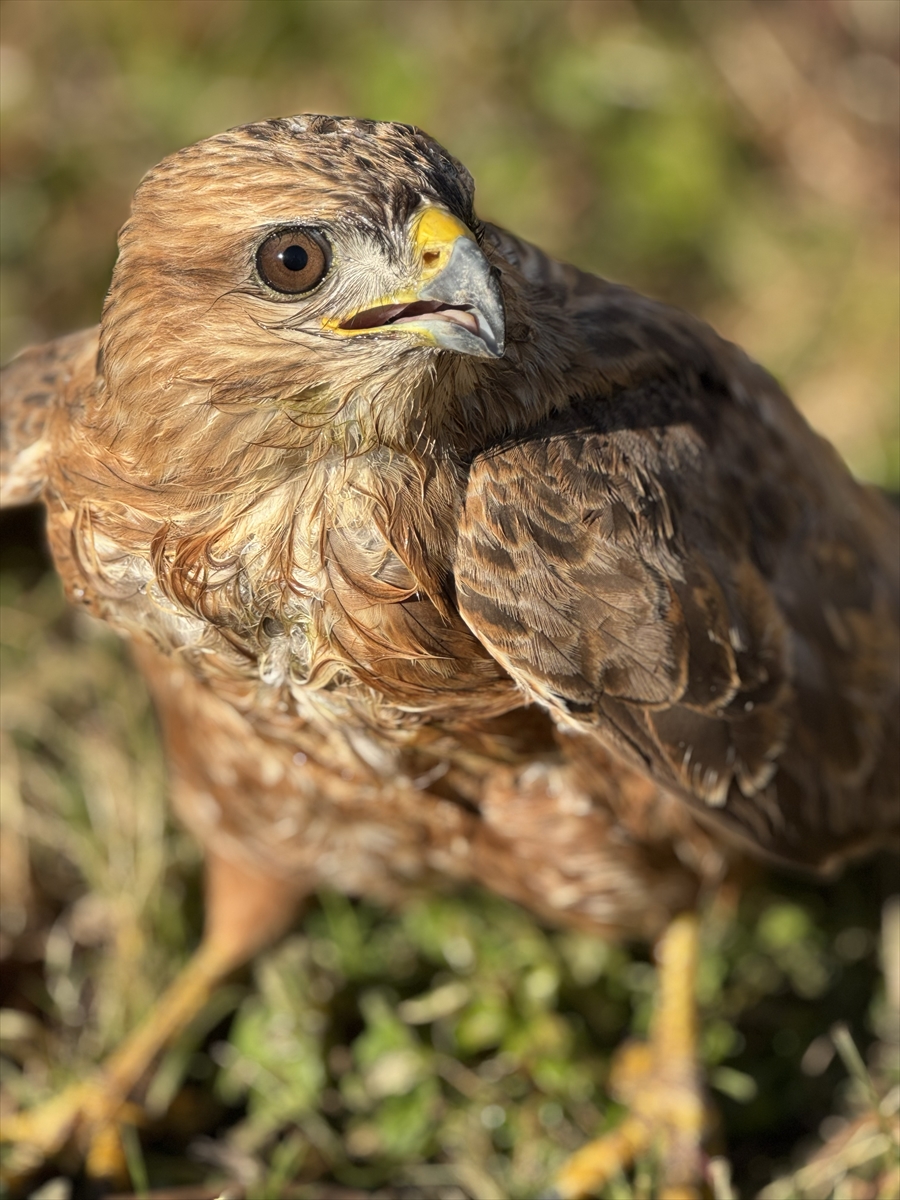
(430,257)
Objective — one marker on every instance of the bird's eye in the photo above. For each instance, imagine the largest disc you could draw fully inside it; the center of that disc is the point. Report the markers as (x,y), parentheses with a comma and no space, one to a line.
(293,260)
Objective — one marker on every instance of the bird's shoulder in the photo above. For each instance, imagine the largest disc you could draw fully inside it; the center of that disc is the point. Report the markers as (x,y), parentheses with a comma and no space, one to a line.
(37,383)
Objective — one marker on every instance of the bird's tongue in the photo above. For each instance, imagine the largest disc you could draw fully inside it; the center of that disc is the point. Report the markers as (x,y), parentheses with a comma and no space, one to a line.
(393,314)
(382,315)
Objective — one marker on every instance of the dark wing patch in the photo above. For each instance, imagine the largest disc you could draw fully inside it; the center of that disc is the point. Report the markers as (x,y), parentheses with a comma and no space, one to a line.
(693,574)
(31,386)
(596,617)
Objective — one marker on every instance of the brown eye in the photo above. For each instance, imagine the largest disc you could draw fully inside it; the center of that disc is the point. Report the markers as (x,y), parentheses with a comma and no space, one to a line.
(293,260)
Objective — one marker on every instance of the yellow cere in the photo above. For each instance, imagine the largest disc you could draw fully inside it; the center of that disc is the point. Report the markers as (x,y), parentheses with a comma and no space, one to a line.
(434,234)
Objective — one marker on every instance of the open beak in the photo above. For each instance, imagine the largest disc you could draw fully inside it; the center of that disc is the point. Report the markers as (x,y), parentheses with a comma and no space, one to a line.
(455,303)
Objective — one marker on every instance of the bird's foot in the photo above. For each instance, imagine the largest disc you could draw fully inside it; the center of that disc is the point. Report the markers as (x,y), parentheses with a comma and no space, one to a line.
(667,1116)
(659,1082)
(82,1124)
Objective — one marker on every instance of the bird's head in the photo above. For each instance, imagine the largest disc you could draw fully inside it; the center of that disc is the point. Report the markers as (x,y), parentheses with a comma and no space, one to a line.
(328,270)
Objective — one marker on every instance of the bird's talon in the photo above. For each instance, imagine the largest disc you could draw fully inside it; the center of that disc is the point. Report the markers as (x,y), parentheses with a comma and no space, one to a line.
(106,1158)
(85,1118)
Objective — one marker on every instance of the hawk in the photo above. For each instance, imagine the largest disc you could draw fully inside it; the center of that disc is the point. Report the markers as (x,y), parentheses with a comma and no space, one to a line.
(444,559)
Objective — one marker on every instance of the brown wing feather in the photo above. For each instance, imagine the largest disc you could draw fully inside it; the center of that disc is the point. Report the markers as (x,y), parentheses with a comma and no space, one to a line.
(32,385)
(683,566)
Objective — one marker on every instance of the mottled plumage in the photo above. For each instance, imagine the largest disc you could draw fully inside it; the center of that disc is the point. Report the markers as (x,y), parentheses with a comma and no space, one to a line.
(582,615)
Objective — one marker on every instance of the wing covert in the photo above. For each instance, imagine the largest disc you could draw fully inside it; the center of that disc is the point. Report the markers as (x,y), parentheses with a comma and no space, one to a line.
(34,383)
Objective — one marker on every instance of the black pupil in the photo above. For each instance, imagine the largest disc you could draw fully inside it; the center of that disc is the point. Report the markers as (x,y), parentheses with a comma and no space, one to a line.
(294,258)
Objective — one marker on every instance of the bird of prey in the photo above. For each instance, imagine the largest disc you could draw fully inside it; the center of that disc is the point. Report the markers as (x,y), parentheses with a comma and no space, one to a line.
(444,559)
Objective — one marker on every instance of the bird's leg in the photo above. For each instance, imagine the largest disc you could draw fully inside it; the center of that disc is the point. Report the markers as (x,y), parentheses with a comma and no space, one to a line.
(660,1083)
(244,912)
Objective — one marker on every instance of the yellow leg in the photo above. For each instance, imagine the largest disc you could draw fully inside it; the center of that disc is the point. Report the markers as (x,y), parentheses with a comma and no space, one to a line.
(245,911)
(659,1082)
(88,1114)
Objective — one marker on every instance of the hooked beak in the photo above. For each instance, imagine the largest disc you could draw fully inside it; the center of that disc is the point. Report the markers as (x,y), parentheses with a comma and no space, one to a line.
(455,304)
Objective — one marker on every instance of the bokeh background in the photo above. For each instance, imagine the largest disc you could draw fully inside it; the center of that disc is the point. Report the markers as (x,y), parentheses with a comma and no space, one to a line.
(739,159)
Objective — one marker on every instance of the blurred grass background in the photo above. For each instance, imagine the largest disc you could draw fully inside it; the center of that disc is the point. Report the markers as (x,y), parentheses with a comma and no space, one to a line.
(739,159)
